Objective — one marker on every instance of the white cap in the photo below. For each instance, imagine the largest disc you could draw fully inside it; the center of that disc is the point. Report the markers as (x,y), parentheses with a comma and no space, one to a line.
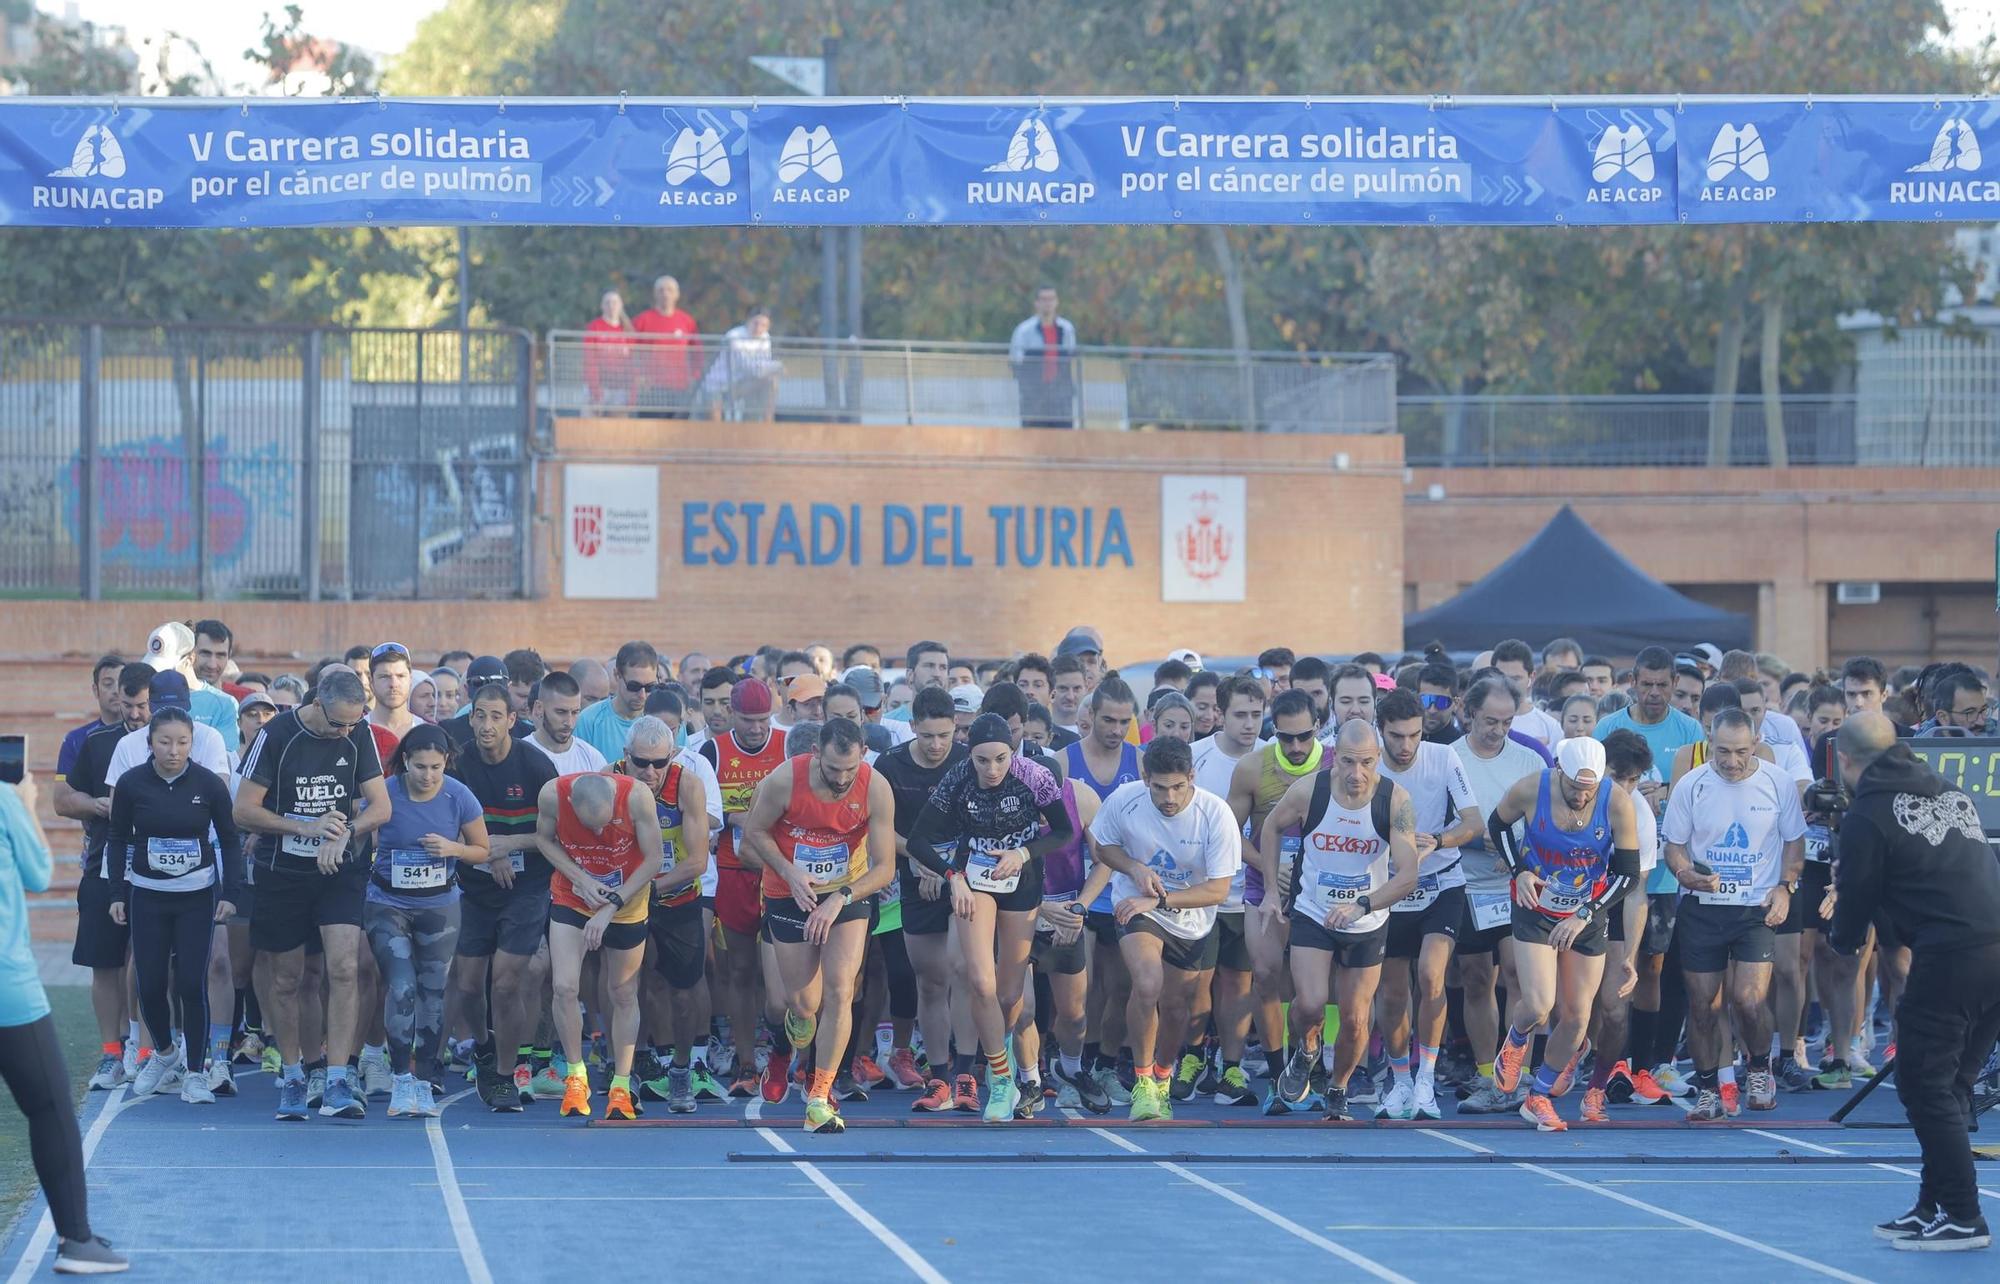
(171,643)
(1192,659)
(1581,757)
(965,699)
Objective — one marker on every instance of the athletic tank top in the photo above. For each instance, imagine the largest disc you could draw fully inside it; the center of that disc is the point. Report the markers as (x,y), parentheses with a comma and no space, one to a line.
(1342,858)
(1574,866)
(1063,868)
(1128,770)
(673,840)
(738,772)
(610,856)
(826,839)
(1274,777)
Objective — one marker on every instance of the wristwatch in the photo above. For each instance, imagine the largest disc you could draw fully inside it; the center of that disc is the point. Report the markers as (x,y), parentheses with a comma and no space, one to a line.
(611,894)
(1582,915)
(848,892)
(1363,904)
(1163,900)
(1793,887)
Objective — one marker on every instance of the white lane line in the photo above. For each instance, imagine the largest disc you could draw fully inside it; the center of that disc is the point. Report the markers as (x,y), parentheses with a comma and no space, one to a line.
(889,1239)
(1741,1241)
(1272,1216)
(1887,1168)
(470,1254)
(1439,1134)
(640,1199)
(45,1230)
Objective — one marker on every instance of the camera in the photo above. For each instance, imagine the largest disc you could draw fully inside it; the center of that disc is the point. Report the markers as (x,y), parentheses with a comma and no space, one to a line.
(1827,800)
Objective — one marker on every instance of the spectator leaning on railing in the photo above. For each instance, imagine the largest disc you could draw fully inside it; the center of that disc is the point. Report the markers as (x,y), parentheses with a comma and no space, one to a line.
(1041,353)
(742,383)
(607,352)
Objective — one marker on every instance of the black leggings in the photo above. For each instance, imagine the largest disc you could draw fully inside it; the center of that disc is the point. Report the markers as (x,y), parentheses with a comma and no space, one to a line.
(31,1061)
(176,927)
(902,977)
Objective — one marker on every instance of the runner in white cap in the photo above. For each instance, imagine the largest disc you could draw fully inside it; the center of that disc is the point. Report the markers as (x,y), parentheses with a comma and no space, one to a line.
(171,647)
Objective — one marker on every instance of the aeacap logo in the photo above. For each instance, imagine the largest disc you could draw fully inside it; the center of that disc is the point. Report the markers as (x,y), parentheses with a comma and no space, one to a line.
(809,154)
(697,156)
(1737,150)
(1624,150)
(1031,150)
(97,155)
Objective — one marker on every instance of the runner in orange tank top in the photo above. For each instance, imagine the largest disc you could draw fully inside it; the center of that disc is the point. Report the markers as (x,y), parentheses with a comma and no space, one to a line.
(824,829)
(602,836)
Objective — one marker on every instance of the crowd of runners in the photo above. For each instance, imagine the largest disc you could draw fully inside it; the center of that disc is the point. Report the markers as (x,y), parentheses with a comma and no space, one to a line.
(1389,888)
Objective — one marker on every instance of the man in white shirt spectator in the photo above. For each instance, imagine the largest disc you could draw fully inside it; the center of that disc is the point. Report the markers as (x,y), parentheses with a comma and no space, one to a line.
(1041,353)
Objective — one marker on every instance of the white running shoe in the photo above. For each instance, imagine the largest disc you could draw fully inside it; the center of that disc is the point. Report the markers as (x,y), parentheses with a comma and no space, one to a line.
(1401,1103)
(221,1080)
(162,1072)
(195,1090)
(1425,1103)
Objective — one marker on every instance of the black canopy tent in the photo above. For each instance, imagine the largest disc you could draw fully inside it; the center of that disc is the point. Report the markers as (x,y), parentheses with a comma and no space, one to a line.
(1567,582)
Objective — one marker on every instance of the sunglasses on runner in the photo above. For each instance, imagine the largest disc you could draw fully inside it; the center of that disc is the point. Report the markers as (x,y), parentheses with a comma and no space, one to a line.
(636,687)
(1303,738)
(389,648)
(1435,702)
(649,764)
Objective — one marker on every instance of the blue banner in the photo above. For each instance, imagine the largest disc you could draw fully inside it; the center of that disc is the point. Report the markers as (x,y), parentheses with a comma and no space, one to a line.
(815,162)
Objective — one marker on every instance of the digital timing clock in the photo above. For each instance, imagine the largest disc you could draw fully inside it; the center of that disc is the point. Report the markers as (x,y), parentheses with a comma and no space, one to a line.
(1967,764)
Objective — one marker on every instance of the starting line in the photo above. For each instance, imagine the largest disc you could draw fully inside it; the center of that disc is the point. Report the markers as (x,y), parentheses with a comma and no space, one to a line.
(1462,1160)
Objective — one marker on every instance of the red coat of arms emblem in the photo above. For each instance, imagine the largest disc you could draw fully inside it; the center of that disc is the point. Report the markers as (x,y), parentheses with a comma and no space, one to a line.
(587,528)
(1205,545)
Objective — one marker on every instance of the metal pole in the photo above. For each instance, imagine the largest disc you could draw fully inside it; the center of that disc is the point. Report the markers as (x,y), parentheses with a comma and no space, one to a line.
(527,495)
(464,279)
(852,384)
(90,557)
(829,237)
(416,466)
(199,465)
(309,551)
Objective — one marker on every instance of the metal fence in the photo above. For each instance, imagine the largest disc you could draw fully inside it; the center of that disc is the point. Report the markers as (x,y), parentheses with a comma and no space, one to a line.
(234,461)
(1500,432)
(881,382)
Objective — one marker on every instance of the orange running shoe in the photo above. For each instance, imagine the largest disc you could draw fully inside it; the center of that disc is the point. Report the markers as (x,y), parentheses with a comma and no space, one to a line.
(1508,1062)
(903,1070)
(1646,1090)
(1732,1100)
(867,1073)
(1541,1112)
(965,1094)
(1594,1102)
(1567,1079)
(576,1097)
(621,1105)
(936,1099)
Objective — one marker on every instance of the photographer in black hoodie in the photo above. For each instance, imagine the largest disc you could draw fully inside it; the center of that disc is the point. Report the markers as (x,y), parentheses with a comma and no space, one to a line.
(1912,853)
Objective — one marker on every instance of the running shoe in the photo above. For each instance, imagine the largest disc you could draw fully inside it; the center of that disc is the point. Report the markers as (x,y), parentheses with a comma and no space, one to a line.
(1910,1223)
(1296,1080)
(1426,1104)
(867,1073)
(1128,1074)
(1761,1093)
(221,1079)
(903,1073)
(1669,1077)
(1114,1090)
(340,1101)
(403,1097)
(505,1098)
(1361,1089)
(1646,1090)
(524,1082)
(1186,1071)
(1090,1094)
(1946,1234)
(646,1064)
(292,1099)
(547,1083)
(273,1061)
(936,1099)
(162,1072)
(1618,1088)
(619,1105)
(1066,1095)
(965,1094)
(376,1078)
(110,1073)
(1145,1105)
(680,1090)
(250,1050)
(1567,1079)
(1507,1063)
(822,1117)
(777,1076)
(1541,1112)
(1401,1103)
(1001,1098)
(427,1105)
(721,1056)
(1028,1098)
(1834,1075)
(1256,1063)
(1708,1108)
(1732,1099)
(1794,1077)
(1163,1100)
(705,1086)
(1211,1074)
(1232,1088)
(134,1056)
(576,1096)
(1888,1052)
(1336,1108)
(1594,1102)
(316,1088)
(654,1089)
(1487,1099)
(802,1074)
(91,1256)
(195,1090)
(848,1088)
(1274,1104)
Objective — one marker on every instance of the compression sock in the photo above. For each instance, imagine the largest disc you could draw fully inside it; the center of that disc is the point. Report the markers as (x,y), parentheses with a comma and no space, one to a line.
(821,1086)
(1400,1068)
(218,1039)
(1545,1078)
(1427,1063)
(1515,1039)
(999,1064)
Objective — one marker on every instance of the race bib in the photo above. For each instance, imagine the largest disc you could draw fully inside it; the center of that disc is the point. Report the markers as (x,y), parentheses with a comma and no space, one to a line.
(173,857)
(417,871)
(1427,891)
(668,855)
(1335,890)
(979,874)
(1817,841)
(1738,884)
(736,835)
(611,878)
(1185,922)
(1561,900)
(299,845)
(822,864)
(1490,910)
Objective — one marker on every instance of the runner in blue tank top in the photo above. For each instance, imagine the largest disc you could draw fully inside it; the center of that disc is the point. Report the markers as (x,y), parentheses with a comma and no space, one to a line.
(1104,760)
(1579,856)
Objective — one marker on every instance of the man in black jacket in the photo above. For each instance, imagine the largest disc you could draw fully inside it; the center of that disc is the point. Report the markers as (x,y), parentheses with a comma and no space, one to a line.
(1912,853)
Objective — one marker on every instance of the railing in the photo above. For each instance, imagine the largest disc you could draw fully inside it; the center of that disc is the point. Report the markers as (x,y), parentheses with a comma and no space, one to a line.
(877,382)
(1500,432)
(233,461)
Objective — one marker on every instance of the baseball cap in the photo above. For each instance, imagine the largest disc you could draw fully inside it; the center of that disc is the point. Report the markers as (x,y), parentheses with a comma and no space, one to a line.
(1688,659)
(867,684)
(1383,682)
(1077,642)
(171,643)
(168,690)
(966,699)
(806,686)
(1710,654)
(254,699)
(1581,757)
(750,696)
(487,668)
(1192,659)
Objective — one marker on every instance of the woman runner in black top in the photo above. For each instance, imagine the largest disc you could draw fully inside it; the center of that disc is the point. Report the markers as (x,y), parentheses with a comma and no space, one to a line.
(172,845)
(1000,815)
